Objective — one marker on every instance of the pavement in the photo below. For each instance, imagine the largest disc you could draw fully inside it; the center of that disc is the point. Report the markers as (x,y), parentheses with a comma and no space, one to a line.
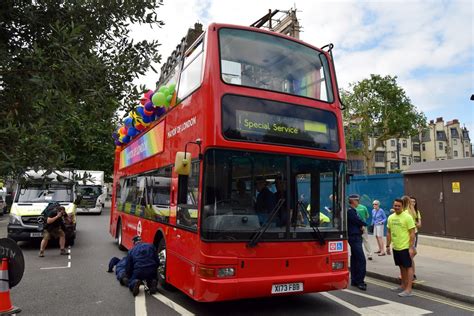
(443,266)
(440,267)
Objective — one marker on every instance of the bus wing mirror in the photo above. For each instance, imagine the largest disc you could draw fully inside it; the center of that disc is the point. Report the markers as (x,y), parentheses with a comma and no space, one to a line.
(349,177)
(182,163)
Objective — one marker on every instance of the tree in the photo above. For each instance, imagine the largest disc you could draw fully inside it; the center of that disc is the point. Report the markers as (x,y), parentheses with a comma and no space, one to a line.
(66,67)
(378,108)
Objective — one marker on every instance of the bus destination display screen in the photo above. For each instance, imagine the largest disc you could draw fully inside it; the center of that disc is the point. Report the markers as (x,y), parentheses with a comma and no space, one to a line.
(281,126)
(272,122)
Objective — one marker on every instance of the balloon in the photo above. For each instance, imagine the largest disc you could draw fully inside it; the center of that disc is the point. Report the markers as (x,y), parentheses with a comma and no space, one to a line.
(166,92)
(140,126)
(149,113)
(149,94)
(126,139)
(132,131)
(143,101)
(149,107)
(162,88)
(171,87)
(118,143)
(128,121)
(169,98)
(159,99)
(123,131)
(159,111)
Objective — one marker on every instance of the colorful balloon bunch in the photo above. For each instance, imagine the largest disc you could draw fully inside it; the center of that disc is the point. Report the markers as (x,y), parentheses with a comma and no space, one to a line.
(153,105)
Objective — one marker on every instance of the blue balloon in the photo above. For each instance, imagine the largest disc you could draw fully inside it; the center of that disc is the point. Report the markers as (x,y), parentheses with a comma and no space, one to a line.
(141,111)
(118,143)
(126,139)
(132,131)
(128,121)
(159,111)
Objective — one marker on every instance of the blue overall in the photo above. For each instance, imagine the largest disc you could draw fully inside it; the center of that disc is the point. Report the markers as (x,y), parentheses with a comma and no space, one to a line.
(358,263)
(142,264)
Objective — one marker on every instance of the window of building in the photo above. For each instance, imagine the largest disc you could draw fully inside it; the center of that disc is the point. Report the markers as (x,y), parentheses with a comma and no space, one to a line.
(467,154)
(393,155)
(455,153)
(416,159)
(379,170)
(424,160)
(379,156)
(409,160)
(404,161)
(416,147)
(393,166)
(423,147)
(455,141)
(440,146)
(356,166)
(392,143)
(404,143)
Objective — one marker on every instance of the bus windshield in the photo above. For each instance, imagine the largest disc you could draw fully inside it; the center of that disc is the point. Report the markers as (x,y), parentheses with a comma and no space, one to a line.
(273,63)
(44,194)
(243,191)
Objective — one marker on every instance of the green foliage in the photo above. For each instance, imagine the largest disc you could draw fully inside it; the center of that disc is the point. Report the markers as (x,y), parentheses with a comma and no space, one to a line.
(378,108)
(66,67)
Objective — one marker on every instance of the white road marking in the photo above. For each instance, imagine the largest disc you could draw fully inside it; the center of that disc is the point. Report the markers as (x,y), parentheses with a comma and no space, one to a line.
(140,303)
(176,307)
(68,263)
(388,308)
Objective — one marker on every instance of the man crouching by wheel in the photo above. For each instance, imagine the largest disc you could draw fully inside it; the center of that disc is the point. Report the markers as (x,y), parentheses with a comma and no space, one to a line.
(142,265)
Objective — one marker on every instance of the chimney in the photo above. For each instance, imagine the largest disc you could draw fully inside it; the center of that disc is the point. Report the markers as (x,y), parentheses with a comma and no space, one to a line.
(432,122)
(455,121)
(439,119)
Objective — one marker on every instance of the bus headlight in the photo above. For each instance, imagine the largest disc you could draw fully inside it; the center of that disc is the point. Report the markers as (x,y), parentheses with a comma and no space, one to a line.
(14,219)
(225,272)
(338,265)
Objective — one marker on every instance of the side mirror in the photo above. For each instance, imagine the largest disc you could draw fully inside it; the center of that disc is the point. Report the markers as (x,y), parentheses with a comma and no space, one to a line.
(182,163)
(349,177)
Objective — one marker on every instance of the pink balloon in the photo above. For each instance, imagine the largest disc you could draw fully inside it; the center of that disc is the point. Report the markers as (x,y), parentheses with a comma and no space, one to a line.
(149,94)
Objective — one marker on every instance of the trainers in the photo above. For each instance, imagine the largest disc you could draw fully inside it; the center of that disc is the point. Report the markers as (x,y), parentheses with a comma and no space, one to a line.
(397,289)
(405,294)
(63,252)
(136,288)
(370,258)
(41,254)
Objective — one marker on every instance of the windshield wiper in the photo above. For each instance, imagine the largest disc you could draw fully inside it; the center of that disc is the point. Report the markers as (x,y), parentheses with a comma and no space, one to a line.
(310,222)
(254,241)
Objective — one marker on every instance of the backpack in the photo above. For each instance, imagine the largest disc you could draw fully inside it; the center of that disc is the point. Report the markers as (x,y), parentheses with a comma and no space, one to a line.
(43,224)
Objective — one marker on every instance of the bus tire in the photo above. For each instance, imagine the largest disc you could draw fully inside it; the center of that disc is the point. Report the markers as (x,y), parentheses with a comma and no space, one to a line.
(119,237)
(162,266)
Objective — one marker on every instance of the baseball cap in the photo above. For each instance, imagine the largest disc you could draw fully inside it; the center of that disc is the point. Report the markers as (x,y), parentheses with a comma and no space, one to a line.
(354,197)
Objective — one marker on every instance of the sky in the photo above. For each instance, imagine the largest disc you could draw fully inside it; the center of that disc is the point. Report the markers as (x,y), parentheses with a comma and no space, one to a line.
(428,45)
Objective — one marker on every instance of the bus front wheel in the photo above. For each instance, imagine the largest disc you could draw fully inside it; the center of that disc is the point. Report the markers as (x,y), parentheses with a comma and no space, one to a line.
(120,237)
(162,266)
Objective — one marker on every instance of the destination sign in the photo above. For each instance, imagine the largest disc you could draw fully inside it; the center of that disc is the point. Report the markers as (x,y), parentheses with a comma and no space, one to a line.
(281,126)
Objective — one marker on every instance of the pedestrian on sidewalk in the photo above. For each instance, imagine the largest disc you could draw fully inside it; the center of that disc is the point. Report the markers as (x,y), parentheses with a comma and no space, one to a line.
(363,214)
(354,228)
(415,214)
(378,221)
(401,232)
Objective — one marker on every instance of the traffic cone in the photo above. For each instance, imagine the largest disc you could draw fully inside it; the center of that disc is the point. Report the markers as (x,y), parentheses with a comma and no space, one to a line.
(6,307)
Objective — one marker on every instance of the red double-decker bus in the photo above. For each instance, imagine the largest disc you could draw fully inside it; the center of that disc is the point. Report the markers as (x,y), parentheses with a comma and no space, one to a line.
(240,185)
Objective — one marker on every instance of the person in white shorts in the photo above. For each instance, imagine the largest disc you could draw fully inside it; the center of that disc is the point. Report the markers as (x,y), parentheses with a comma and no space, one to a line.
(378,221)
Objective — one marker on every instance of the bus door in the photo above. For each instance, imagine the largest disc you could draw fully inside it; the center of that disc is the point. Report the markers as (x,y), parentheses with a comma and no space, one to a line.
(182,245)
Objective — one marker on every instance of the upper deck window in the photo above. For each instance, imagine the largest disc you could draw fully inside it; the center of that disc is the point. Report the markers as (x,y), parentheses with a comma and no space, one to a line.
(273,63)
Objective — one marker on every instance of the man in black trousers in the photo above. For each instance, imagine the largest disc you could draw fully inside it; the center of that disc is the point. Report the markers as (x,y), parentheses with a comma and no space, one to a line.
(354,228)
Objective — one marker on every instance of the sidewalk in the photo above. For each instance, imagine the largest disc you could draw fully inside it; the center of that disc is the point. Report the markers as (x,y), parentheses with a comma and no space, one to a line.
(441,271)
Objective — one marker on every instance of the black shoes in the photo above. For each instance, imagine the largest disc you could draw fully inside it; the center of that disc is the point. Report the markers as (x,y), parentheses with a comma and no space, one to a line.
(152,287)
(136,288)
(361,286)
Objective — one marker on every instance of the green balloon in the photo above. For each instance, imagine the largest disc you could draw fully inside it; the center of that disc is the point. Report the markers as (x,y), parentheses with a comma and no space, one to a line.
(161,88)
(158,99)
(166,92)
(171,87)
(168,99)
